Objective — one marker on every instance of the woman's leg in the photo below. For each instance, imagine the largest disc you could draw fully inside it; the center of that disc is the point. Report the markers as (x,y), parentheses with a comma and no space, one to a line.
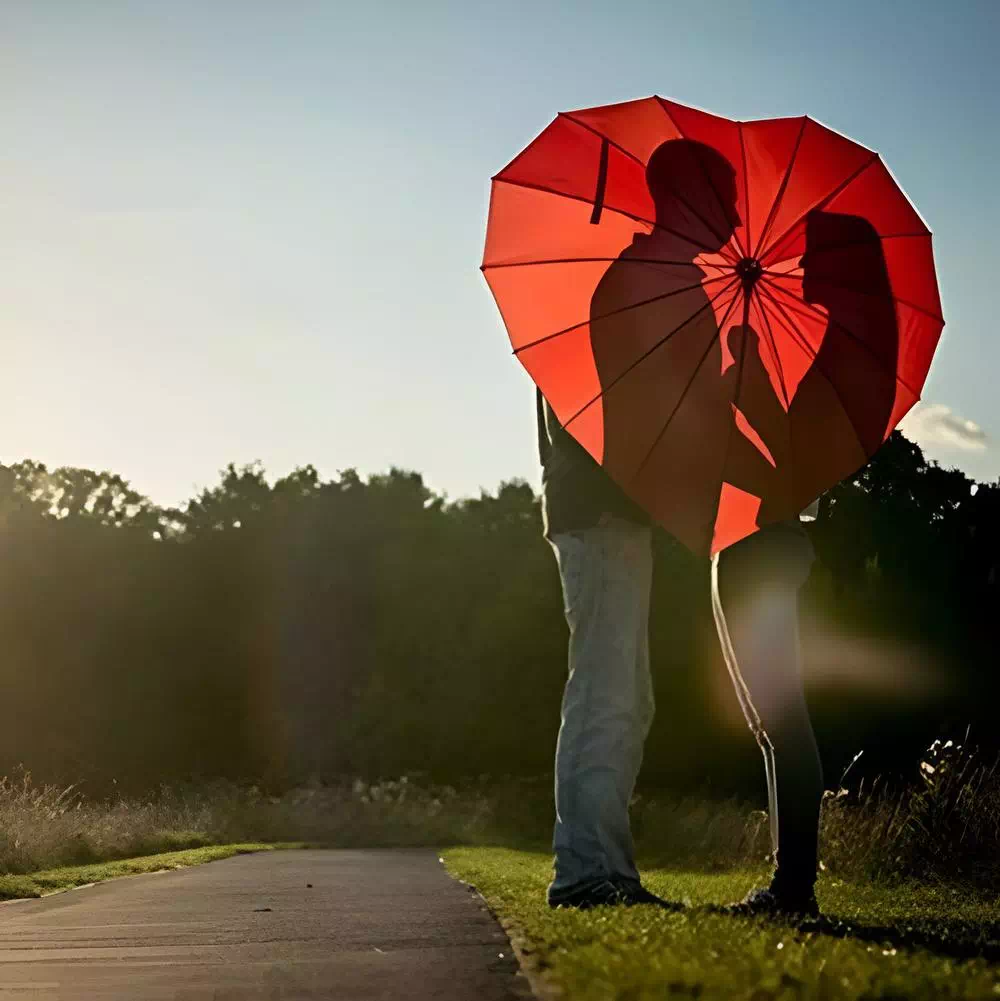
(759,579)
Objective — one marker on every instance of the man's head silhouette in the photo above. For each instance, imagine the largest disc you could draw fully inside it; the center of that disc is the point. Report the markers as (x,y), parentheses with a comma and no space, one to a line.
(694,190)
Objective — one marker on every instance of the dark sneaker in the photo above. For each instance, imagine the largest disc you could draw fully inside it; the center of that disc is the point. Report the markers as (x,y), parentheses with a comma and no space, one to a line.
(638,894)
(610,892)
(603,892)
(768,902)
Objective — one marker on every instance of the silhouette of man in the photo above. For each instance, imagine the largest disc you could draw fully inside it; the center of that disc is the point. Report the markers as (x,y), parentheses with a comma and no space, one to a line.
(667,384)
(650,300)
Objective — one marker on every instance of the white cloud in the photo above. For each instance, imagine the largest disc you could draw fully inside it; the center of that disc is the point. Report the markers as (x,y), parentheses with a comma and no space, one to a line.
(936,424)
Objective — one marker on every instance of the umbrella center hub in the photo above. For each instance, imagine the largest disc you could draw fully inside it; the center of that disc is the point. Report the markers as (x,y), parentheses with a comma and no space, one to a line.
(749,269)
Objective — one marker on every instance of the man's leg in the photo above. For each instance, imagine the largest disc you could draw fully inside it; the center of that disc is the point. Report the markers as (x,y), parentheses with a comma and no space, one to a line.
(607,705)
(759,580)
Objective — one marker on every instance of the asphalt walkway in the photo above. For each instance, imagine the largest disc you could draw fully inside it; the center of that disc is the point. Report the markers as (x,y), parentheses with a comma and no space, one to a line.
(280,926)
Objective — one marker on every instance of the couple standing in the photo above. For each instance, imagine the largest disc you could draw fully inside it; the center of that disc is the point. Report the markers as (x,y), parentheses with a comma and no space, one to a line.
(674,390)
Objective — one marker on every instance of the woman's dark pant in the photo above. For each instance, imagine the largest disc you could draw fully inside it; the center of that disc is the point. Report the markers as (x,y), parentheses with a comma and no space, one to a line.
(758,584)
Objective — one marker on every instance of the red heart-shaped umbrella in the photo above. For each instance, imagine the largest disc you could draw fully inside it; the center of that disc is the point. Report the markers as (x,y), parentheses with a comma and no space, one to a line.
(730,317)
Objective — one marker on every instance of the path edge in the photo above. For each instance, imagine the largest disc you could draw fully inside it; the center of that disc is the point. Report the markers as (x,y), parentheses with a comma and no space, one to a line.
(539,982)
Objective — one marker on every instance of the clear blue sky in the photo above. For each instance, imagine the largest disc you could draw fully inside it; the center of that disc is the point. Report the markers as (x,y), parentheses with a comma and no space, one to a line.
(232,231)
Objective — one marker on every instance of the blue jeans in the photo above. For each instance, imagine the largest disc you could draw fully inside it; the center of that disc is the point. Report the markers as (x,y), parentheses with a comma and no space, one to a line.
(607,705)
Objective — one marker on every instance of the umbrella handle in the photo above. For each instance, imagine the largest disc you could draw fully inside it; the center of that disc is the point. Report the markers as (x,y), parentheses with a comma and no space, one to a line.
(750,713)
(602,183)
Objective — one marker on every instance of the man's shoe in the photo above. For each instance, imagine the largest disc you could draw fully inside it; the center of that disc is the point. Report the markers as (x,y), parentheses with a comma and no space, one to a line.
(636,893)
(610,892)
(603,892)
(769,902)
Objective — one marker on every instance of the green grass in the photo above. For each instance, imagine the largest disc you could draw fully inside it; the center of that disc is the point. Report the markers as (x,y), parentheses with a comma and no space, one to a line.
(39,884)
(901,942)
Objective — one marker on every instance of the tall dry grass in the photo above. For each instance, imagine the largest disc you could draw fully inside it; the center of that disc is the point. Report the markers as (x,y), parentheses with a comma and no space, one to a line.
(46,826)
(945,826)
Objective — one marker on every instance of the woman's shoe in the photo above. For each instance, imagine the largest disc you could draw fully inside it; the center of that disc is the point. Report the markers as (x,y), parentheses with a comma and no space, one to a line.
(772,902)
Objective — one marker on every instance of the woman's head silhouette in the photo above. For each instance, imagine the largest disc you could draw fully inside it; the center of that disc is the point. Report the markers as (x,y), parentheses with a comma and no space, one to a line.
(843,252)
(844,271)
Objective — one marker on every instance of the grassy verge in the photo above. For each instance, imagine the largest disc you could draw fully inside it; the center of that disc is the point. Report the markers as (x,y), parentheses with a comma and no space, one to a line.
(38,884)
(908,941)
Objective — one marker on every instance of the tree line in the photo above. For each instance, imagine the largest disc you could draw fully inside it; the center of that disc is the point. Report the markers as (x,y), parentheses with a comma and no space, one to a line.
(273,631)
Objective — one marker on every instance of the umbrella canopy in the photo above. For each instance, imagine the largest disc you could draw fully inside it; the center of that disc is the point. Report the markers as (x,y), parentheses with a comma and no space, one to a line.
(730,317)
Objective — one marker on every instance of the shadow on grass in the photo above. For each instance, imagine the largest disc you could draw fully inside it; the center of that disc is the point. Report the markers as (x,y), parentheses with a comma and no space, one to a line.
(952,937)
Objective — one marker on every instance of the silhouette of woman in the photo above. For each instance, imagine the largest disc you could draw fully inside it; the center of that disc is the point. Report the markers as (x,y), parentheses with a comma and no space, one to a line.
(840,412)
(838,416)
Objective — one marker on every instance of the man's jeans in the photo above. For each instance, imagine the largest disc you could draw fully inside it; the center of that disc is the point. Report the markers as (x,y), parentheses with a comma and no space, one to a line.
(607,705)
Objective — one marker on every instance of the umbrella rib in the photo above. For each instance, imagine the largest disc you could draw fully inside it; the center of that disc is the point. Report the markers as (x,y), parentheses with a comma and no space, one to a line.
(623,309)
(590,128)
(638,361)
(850,333)
(771,290)
(607,208)
(636,159)
(792,332)
(773,348)
(789,326)
(781,190)
(733,403)
(777,363)
(588,260)
(690,383)
(746,182)
(708,180)
(818,206)
(844,246)
(848,288)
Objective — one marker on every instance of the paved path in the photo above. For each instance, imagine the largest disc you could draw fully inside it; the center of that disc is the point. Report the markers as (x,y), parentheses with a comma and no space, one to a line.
(374,925)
